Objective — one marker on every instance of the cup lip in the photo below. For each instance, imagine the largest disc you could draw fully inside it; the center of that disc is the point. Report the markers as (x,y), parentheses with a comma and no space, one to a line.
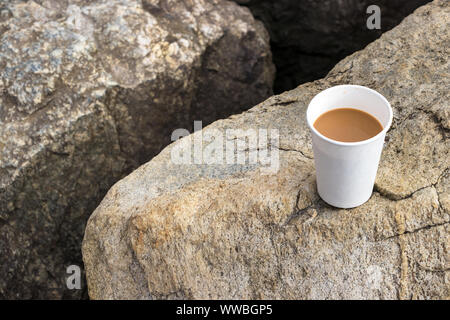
(357,143)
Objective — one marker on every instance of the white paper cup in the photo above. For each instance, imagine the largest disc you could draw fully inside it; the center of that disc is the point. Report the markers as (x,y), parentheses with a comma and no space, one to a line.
(346,171)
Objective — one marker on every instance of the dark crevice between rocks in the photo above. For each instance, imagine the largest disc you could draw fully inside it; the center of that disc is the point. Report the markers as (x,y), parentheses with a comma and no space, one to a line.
(308,37)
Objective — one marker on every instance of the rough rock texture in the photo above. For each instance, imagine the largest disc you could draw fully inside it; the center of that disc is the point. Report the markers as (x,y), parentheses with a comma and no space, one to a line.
(308,37)
(230,231)
(89,90)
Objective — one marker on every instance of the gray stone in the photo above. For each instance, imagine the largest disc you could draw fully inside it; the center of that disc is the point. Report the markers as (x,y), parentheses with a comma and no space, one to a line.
(89,90)
(236,231)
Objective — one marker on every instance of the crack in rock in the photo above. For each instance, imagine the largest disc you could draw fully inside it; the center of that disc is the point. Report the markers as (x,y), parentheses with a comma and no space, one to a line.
(404,232)
(396,197)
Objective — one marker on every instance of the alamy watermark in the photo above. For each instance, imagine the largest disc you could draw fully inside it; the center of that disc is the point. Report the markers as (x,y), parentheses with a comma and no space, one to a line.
(374,20)
(230,146)
(73,281)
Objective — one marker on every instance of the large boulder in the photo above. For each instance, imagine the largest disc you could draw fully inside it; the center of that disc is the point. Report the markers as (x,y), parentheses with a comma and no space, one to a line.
(308,37)
(89,90)
(247,230)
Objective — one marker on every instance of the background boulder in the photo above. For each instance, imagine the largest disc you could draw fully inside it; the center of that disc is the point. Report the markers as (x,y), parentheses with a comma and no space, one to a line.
(228,231)
(91,89)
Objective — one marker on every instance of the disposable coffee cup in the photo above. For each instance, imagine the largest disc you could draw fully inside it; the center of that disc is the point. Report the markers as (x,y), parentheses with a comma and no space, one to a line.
(346,171)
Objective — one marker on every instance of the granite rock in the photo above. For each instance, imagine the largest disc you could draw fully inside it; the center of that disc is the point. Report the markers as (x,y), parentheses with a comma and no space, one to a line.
(89,90)
(239,231)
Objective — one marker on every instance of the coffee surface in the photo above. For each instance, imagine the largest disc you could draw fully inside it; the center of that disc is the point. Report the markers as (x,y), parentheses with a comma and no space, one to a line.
(348,125)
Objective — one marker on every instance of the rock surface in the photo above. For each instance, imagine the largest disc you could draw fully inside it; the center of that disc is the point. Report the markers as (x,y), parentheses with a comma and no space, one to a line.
(233,231)
(89,90)
(309,37)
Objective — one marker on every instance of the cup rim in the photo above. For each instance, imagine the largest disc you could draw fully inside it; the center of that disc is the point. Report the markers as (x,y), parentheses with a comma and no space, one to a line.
(357,143)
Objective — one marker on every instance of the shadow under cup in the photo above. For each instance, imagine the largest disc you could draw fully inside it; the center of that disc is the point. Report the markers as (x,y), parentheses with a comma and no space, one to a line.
(346,171)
